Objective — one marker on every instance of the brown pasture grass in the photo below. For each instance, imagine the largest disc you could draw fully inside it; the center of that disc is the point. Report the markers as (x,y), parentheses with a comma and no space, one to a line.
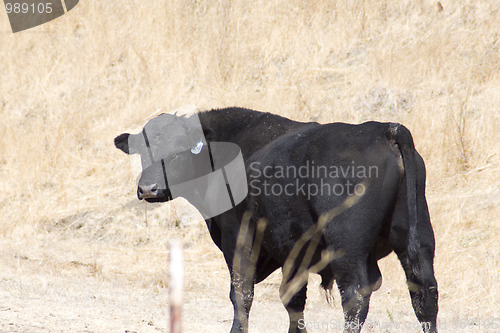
(70,86)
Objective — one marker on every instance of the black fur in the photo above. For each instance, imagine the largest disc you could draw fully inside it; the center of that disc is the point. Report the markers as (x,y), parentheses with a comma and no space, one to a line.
(391,215)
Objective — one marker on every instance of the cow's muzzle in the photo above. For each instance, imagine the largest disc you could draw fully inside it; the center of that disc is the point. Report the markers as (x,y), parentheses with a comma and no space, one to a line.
(147,191)
(152,193)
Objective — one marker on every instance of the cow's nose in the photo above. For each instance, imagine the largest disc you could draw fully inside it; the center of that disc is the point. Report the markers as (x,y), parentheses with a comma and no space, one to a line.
(147,191)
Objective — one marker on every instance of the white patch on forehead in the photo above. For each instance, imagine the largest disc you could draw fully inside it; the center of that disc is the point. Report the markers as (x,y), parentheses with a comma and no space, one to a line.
(186,111)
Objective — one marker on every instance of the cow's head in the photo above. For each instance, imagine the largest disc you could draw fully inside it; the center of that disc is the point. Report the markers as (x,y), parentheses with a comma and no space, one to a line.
(172,149)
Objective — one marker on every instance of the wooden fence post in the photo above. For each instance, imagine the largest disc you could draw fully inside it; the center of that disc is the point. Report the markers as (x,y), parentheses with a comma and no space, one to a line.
(176,284)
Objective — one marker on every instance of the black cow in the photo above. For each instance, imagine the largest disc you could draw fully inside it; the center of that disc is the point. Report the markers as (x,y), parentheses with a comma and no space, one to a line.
(331,199)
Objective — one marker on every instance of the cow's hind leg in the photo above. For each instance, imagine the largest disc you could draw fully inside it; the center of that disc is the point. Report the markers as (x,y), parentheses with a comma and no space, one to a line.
(355,290)
(418,267)
(295,308)
(424,296)
(420,279)
(423,290)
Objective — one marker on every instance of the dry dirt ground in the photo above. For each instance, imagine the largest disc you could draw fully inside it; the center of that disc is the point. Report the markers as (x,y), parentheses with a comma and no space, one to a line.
(88,274)
(43,290)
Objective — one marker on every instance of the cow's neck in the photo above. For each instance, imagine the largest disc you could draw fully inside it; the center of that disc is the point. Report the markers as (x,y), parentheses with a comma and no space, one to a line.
(228,124)
(225,124)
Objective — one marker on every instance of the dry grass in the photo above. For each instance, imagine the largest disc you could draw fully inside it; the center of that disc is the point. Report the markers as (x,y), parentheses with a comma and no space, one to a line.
(69,86)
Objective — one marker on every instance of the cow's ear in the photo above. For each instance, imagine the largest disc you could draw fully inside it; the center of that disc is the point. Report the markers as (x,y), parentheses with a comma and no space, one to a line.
(121,142)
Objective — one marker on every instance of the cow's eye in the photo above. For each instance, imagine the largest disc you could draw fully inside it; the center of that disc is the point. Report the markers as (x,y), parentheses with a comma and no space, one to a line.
(197,148)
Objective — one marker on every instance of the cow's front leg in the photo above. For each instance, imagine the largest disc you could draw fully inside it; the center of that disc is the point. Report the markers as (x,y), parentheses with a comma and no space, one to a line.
(241,296)
(241,248)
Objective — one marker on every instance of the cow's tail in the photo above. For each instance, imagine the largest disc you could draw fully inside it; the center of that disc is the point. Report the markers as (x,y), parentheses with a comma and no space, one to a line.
(402,136)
